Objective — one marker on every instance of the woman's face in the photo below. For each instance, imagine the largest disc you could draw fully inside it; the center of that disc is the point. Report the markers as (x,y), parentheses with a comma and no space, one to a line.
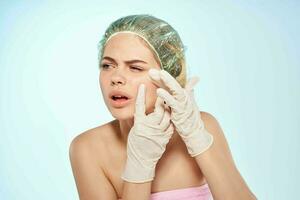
(125,64)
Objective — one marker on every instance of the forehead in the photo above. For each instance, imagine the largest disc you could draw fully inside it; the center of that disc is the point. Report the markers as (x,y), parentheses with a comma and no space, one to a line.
(127,44)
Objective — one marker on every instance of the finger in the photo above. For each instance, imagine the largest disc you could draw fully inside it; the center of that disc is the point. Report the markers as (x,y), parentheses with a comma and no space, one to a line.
(154,75)
(140,101)
(190,88)
(170,129)
(159,106)
(171,83)
(165,120)
(167,97)
(191,83)
(157,114)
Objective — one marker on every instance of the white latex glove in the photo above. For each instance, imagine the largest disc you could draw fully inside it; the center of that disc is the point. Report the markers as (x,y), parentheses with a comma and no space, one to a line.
(147,139)
(184,111)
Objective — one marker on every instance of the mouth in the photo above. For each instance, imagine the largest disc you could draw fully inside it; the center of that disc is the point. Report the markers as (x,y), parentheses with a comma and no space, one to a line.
(119,99)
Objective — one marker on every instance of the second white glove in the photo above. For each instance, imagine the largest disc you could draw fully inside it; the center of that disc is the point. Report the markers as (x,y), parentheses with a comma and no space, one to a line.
(184,111)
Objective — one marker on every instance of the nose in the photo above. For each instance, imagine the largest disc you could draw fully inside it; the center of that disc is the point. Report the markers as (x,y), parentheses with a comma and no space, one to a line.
(117,78)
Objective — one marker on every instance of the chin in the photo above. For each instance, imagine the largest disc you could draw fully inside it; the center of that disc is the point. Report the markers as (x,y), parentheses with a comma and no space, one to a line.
(122,114)
(127,113)
(123,117)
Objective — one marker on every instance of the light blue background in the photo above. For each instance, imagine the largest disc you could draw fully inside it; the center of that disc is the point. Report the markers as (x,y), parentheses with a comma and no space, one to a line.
(245,52)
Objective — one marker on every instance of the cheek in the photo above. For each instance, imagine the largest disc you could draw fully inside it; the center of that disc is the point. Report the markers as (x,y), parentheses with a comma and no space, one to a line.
(104,87)
(150,97)
(101,77)
(150,90)
(150,87)
(103,81)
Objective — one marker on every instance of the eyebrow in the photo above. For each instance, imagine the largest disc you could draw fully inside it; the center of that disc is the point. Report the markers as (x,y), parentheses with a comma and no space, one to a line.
(127,61)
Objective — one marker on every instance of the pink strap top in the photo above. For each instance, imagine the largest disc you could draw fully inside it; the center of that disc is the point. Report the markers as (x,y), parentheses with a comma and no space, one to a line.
(192,193)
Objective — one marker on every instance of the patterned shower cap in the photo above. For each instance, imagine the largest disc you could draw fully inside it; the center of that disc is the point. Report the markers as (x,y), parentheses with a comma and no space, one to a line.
(160,36)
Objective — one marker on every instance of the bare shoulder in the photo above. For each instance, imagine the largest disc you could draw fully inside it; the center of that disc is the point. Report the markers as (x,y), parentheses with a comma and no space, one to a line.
(87,139)
(91,141)
(211,123)
(86,154)
(220,144)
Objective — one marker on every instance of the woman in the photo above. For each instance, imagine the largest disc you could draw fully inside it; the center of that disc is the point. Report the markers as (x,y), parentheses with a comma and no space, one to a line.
(159,146)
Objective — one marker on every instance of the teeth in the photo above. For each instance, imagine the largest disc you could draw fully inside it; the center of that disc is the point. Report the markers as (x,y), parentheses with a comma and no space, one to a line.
(119,96)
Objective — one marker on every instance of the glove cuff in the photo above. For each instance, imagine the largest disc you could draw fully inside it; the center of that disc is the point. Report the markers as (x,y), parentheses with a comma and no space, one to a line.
(135,172)
(198,141)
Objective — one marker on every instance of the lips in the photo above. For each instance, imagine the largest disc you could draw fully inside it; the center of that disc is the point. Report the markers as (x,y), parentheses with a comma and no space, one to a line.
(114,95)
(119,99)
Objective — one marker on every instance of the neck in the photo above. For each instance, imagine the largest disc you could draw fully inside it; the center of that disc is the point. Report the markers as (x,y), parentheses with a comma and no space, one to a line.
(124,127)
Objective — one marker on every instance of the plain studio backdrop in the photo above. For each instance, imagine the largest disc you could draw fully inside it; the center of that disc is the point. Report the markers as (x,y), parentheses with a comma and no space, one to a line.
(246,54)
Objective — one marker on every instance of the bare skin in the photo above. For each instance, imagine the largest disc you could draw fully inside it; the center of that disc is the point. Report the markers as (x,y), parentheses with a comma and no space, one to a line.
(106,151)
(176,169)
(98,155)
(105,146)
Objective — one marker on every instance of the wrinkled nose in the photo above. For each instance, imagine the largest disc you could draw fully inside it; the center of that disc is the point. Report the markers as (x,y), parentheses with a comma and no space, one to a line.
(117,78)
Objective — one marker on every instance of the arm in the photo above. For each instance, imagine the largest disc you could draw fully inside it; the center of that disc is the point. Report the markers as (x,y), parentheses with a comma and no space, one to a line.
(218,166)
(208,145)
(91,182)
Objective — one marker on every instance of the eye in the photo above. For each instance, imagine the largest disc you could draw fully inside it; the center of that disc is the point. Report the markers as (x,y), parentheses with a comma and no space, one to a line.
(105,66)
(135,68)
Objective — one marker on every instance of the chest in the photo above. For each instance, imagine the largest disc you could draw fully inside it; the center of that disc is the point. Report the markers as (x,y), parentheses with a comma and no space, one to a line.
(176,169)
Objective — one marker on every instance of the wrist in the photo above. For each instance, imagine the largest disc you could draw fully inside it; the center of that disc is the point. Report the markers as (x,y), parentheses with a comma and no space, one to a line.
(198,141)
(139,191)
(136,172)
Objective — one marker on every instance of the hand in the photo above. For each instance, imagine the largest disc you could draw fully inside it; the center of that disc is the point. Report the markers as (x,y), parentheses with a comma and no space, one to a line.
(184,111)
(147,139)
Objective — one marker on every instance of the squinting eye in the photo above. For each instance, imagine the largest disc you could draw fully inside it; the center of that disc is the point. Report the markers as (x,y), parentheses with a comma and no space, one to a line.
(136,68)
